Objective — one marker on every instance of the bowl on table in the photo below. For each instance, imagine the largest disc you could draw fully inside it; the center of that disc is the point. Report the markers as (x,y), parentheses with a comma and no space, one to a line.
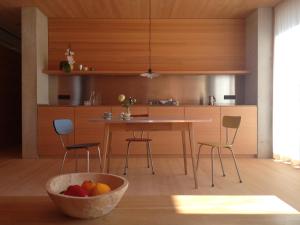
(86,207)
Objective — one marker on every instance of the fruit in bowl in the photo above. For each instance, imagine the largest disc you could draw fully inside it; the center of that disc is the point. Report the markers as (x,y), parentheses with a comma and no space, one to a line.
(87,188)
(86,195)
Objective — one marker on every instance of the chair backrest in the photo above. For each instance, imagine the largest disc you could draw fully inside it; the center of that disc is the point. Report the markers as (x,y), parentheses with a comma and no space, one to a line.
(231,122)
(63,126)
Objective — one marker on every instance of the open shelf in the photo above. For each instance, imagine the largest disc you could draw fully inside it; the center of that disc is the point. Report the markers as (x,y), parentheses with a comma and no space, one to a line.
(136,73)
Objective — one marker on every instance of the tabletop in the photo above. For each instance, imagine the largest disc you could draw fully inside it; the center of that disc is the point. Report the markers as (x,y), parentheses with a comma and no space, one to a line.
(151,120)
(136,210)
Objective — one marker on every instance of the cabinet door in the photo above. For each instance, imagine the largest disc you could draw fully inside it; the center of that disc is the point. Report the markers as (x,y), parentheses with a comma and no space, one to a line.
(89,131)
(48,141)
(246,139)
(118,143)
(205,132)
(166,142)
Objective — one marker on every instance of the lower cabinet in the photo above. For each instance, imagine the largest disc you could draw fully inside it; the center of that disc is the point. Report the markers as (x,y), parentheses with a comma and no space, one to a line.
(166,142)
(246,138)
(48,141)
(87,131)
(118,142)
(206,131)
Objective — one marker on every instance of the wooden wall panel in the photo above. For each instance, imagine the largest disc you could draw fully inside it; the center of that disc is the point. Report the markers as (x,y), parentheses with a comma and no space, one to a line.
(106,45)
(198,45)
(177,45)
(205,132)
(48,141)
(246,139)
(166,142)
(118,143)
(87,131)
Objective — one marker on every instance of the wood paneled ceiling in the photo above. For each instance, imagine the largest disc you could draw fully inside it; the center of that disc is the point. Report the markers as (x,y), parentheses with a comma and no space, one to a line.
(10,9)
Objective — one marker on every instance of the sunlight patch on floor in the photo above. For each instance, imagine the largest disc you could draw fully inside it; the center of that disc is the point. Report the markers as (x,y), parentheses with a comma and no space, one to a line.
(231,204)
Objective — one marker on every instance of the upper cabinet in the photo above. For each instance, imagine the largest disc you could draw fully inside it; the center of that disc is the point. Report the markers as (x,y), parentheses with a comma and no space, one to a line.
(120,46)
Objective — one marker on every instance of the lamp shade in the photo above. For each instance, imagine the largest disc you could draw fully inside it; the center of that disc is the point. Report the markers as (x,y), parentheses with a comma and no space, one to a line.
(149,74)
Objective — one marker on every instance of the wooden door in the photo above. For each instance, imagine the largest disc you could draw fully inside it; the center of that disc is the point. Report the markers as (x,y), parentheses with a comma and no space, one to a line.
(246,139)
(48,141)
(205,132)
(118,143)
(166,142)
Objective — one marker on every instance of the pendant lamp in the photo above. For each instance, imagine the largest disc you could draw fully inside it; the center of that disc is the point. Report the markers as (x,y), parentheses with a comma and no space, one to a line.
(149,73)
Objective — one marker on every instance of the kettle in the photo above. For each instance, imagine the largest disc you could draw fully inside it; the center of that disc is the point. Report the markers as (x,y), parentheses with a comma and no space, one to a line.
(211,100)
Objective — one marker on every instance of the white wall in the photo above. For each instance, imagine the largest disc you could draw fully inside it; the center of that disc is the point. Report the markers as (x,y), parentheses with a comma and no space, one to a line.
(251,58)
(258,85)
(265,82)
(42,58)
(34,85)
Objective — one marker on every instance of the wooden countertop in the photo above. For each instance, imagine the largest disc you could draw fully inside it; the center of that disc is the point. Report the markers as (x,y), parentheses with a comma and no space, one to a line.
(145,105)
(146,210)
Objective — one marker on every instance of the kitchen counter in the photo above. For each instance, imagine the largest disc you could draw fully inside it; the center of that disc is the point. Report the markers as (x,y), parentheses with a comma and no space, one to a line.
(164,143)
(144,105)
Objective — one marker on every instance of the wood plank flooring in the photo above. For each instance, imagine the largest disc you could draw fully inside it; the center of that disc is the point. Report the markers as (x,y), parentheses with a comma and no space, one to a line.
(21,177)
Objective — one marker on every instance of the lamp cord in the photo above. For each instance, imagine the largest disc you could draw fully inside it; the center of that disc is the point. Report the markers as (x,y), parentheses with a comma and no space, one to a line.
(150,35)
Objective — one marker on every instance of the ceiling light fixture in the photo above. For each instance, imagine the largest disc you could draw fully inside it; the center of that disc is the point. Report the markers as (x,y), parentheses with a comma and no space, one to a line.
(149,73)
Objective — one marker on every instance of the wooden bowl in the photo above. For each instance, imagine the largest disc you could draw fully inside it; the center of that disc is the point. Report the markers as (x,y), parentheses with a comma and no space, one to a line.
(86,207)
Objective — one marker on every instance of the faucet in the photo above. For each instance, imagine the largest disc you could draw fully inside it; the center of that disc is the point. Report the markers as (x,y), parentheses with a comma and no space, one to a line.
(92,99)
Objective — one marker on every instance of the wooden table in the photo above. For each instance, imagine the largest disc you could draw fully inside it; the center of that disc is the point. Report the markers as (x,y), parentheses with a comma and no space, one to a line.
(153,124)
(142,210)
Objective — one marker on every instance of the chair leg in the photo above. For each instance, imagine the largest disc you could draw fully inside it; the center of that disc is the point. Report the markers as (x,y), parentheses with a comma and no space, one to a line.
(237,169)
(88,160)
(198,157)
(108,160)
(147,149)
(221,162)
(126,162)
(212,167)
(99,155)
(150,154)
(63,162)
(76,162)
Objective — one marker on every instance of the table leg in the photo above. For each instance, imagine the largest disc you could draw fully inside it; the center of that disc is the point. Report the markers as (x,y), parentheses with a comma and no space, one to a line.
(184,151)
(109,152)
(106,146)
(192,147)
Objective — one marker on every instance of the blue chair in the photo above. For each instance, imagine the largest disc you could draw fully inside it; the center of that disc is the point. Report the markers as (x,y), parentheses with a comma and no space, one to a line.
(64,127)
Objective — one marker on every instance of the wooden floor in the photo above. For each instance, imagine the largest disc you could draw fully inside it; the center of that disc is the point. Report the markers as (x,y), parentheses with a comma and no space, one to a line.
(261,177)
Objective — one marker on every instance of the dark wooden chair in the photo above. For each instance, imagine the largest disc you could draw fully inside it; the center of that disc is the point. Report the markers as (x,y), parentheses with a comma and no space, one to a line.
(139,138)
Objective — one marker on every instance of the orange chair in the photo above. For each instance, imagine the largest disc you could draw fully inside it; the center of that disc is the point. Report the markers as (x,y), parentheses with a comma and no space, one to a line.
(229,122)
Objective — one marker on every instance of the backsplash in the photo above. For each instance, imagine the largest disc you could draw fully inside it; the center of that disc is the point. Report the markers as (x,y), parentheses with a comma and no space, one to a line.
(185,89)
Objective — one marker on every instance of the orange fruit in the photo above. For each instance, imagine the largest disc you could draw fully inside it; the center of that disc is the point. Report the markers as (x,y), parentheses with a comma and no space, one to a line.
(100,188)
(121,98)
(88,185)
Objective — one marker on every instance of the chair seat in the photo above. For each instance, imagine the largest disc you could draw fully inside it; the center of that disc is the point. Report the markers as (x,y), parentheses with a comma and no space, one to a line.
(84,145)
(215,144)
(139,139)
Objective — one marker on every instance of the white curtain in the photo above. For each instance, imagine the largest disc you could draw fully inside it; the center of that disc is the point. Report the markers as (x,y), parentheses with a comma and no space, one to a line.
(286,84)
